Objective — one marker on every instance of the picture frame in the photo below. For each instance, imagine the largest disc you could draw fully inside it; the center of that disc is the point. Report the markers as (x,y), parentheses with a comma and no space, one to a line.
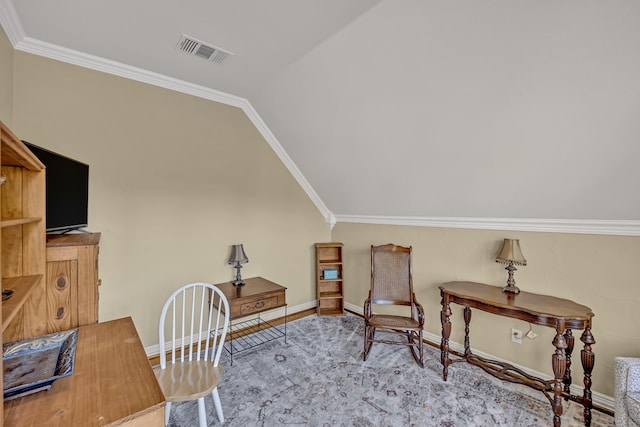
(330,274)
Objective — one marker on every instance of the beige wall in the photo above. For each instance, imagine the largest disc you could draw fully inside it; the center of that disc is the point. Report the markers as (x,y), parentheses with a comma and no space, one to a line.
(6,79)
(597,271)
(174,181)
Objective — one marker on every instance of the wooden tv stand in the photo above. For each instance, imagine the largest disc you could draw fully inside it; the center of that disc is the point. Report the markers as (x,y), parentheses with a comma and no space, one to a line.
(72,283)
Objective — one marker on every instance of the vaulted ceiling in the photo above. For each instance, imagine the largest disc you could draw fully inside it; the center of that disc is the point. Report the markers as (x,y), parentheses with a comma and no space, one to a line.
(402,108)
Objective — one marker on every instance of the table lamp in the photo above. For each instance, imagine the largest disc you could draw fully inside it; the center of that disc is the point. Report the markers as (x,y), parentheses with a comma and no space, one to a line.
(511,255)
(238,257)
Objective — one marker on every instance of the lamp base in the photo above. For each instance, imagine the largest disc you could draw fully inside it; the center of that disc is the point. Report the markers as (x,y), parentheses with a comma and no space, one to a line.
(511,289)
(511,282)
(238,281)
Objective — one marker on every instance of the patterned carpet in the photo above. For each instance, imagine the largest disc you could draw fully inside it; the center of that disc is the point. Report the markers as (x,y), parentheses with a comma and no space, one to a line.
(318,378)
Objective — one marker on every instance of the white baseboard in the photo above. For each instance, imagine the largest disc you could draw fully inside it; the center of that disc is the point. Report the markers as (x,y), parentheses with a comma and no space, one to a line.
(270,315)
(598,398)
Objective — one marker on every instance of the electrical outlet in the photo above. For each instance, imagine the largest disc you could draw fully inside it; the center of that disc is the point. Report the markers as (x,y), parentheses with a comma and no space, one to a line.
(516,336)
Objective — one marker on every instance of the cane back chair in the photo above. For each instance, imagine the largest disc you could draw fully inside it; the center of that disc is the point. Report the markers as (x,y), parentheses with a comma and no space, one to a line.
(392,284)
(193,326)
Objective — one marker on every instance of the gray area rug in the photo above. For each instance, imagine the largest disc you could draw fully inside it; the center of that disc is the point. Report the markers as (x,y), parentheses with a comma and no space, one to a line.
(318,378)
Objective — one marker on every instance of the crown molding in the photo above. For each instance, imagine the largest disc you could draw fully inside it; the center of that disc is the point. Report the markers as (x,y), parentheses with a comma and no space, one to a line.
(13,28)
(576,226)
(10,22)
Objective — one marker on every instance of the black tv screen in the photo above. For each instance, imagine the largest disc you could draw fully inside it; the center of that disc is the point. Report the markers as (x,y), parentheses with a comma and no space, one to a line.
(67,189)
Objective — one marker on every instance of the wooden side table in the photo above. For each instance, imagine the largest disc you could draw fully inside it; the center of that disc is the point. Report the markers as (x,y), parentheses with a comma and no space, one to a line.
(256,296)
(561,314)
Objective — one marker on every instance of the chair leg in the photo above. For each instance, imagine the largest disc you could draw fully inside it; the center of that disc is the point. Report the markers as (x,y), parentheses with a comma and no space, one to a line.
(216,401)
(368,340)
(202,414)
(420,345)
(167,411)
(418,356)
(366,332)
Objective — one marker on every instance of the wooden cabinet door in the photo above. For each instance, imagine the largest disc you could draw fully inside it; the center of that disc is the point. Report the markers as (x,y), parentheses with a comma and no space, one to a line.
(72,286)
(62,295)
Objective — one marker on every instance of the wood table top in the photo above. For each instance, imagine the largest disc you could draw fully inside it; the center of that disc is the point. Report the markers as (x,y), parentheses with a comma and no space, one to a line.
(112,383)
(254,286)
(493,299)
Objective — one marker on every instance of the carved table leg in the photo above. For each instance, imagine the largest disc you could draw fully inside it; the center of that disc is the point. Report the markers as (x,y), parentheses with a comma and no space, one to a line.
(568,337)
(559,363)
(445,314)
(467,320)
(588,359)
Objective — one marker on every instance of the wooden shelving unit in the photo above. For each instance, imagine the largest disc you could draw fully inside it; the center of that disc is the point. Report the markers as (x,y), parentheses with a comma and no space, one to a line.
(330,287)
(22,243)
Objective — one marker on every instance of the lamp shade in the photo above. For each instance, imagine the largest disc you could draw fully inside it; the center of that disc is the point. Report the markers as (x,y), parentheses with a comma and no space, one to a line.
(511,253)
(237,255)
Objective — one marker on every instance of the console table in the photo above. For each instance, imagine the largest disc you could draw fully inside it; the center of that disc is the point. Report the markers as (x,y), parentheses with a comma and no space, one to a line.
(561,314)
(256,296)
(112,384)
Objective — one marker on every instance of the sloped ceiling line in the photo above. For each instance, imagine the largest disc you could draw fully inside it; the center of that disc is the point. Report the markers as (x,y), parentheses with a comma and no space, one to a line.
(13,28)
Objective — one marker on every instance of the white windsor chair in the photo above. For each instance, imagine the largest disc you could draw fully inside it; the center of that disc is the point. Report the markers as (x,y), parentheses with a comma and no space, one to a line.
(193,326)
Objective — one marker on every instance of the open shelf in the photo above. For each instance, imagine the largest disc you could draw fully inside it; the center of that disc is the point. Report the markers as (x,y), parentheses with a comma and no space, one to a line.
(251,333)
(19,221)
(332,295)
(22,288)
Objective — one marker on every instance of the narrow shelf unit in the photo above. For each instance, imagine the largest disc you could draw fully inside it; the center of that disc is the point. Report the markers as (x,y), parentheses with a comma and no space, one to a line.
(330,284)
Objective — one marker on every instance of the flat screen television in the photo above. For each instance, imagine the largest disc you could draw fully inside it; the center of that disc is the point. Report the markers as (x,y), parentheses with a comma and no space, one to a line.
(67,190)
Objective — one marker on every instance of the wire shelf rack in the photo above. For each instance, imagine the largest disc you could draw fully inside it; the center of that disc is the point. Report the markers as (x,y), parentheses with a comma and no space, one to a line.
(251,333)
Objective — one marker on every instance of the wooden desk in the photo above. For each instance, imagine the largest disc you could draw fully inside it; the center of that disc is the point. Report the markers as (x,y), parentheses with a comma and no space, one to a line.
(256,296)
(112,384)
(561,314)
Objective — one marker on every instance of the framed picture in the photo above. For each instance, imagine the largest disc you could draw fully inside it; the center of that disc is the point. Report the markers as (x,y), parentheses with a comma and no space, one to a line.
(330,274)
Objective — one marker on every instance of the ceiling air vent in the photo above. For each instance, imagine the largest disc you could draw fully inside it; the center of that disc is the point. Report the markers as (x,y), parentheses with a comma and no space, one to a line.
(202,50)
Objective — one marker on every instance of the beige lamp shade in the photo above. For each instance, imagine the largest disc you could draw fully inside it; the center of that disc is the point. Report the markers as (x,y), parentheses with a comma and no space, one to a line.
(237,255)
(511,253)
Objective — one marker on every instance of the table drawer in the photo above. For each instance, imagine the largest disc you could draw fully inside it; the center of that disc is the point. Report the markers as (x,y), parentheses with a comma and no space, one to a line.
(257,304)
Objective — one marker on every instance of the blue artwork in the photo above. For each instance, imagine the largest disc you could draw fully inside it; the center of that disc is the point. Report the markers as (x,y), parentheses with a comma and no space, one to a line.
(33,364)
(330,274)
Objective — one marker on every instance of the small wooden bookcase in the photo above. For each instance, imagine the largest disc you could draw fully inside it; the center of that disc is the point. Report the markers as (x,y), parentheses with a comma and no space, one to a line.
(330,284)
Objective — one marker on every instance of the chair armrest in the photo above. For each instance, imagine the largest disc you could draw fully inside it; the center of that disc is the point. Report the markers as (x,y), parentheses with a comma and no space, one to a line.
(367,307)
(627,374)
(626,379)
(419,311)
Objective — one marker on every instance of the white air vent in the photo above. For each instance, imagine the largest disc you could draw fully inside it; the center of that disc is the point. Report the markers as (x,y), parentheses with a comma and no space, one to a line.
(202,50)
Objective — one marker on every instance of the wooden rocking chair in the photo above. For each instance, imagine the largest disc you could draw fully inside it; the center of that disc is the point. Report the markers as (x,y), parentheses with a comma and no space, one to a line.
(392,284)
